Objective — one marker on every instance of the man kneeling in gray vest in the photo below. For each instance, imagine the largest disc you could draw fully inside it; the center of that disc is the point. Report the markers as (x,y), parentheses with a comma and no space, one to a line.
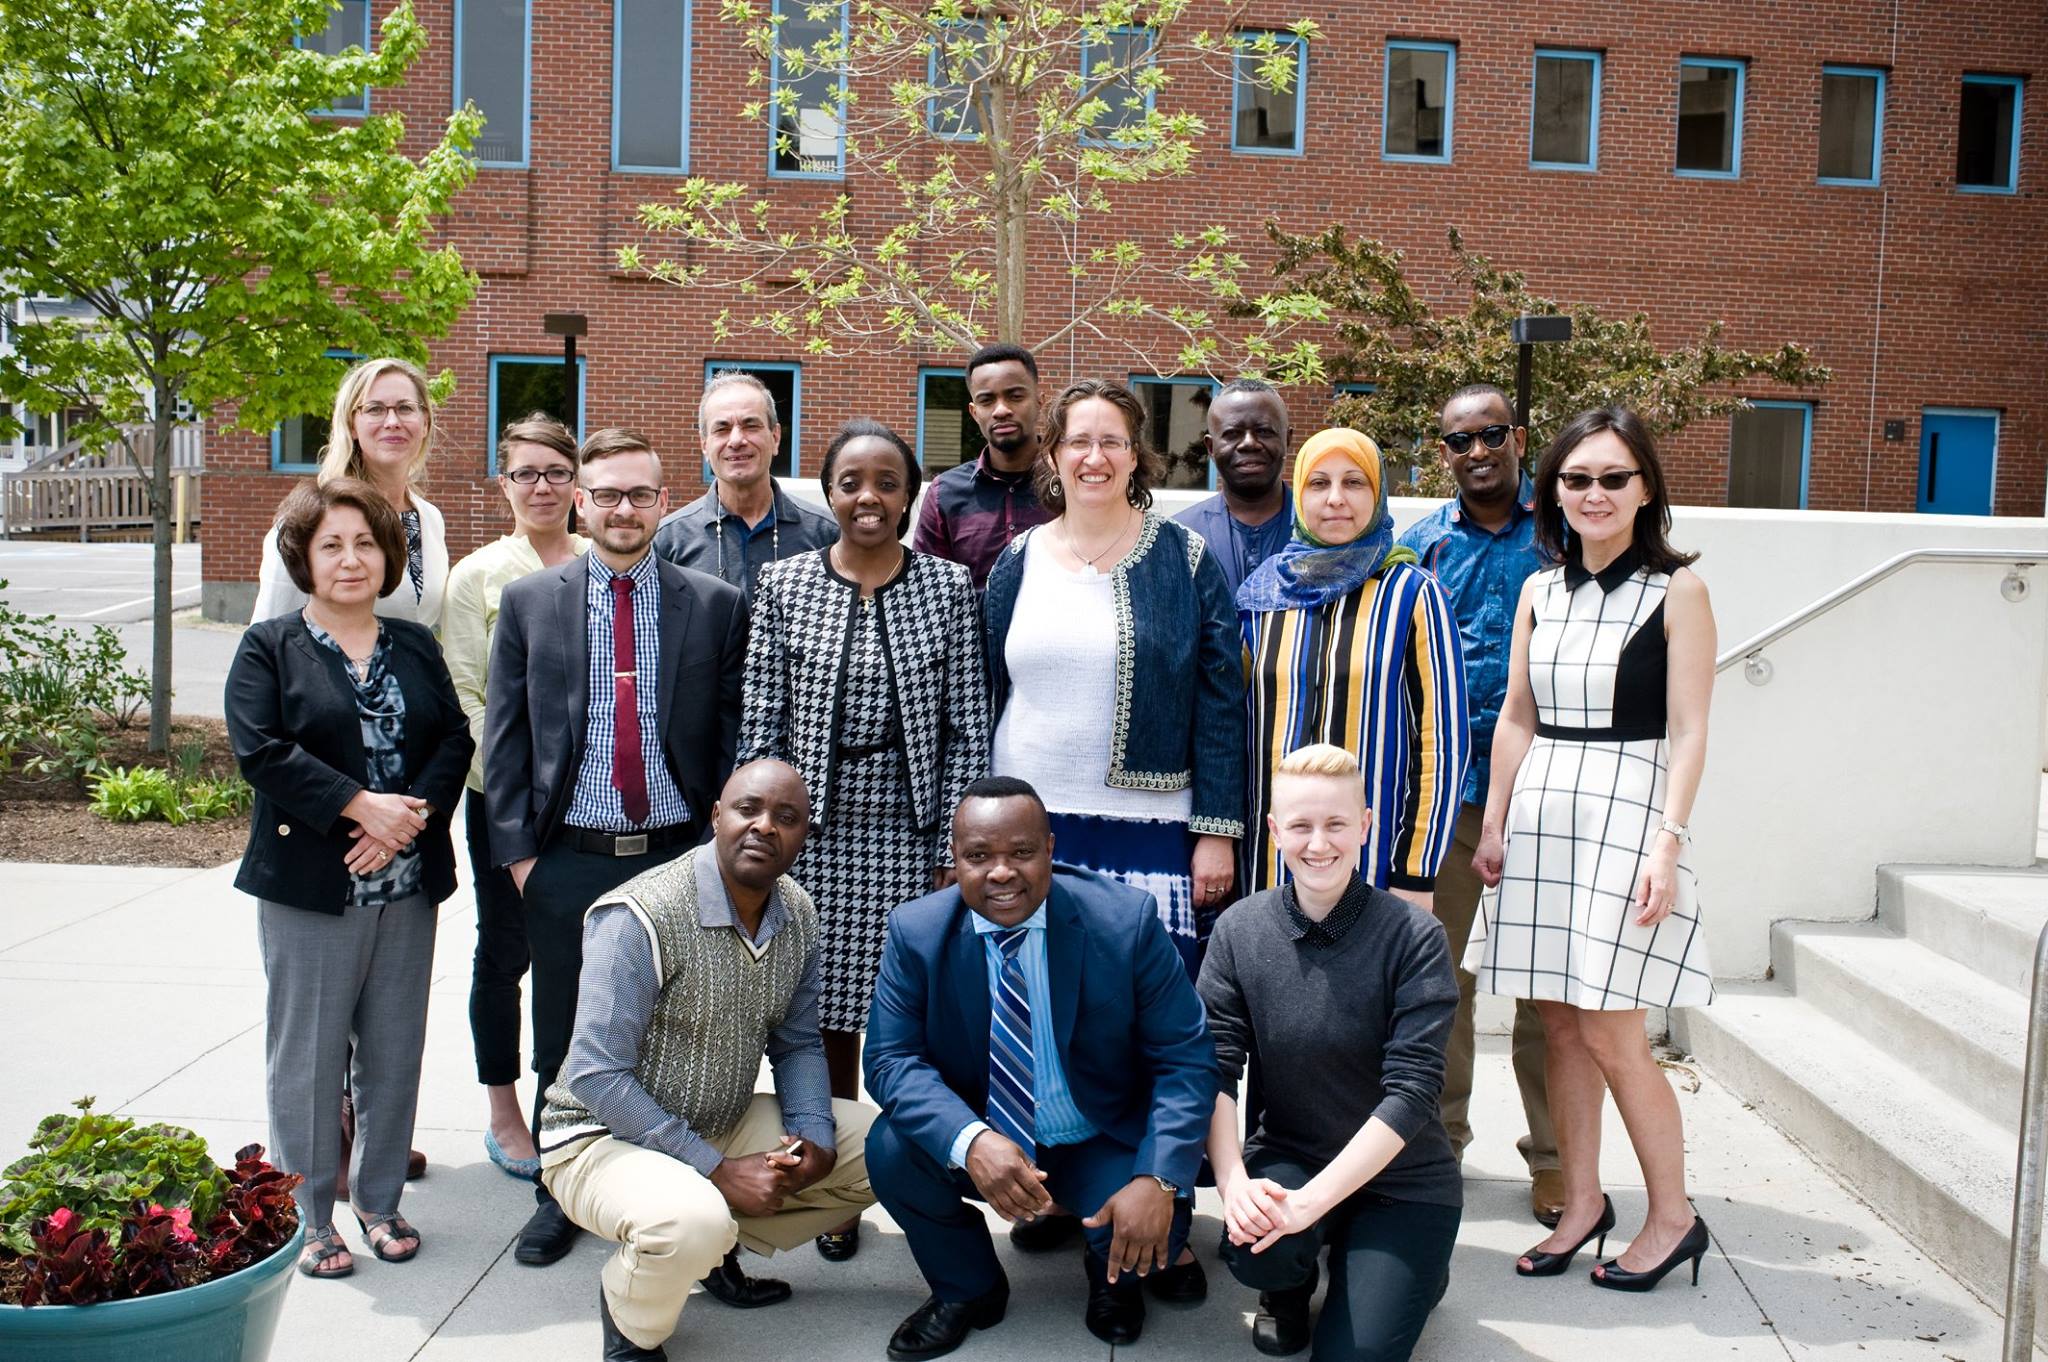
(654,1136)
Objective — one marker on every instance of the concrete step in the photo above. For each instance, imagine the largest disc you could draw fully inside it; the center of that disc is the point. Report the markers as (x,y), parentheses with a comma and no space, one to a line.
(1986,918)
(1938,1171)
(1952,1027)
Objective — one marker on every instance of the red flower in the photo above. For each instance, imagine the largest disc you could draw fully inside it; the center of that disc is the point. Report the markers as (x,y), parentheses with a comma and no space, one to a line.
(60,1219)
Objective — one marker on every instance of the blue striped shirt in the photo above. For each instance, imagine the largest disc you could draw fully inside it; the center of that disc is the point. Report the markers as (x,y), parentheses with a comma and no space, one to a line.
(1056,1119)
(595,804)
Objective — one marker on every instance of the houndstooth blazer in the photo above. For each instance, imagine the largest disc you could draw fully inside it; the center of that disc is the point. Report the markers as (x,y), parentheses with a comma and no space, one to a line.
(796,676)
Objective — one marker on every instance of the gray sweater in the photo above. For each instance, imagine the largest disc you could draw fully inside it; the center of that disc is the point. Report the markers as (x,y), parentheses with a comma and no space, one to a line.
(1349,1018)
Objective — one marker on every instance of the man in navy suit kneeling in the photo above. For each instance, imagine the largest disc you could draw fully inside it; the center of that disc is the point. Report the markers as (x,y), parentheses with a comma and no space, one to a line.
(1033,1041)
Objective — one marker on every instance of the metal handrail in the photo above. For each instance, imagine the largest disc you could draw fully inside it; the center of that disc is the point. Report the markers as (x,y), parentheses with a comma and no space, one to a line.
(2015,587)
(2026,1182)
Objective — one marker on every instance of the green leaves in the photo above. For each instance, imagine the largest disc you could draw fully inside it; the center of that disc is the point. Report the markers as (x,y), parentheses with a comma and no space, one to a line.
(97,1167)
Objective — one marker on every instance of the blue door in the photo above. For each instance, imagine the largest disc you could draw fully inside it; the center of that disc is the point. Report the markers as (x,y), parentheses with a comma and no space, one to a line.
(1958,454)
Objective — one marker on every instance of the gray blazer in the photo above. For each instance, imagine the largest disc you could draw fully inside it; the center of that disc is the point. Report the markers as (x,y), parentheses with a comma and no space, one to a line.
(537,709)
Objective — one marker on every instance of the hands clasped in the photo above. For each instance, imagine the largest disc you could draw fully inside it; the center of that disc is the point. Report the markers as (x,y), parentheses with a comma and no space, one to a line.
(757,1184)
(1261,1212)
(385,824)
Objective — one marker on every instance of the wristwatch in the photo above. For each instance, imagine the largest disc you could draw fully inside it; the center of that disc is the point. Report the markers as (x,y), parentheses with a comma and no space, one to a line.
(1166,1186)
(1676,829)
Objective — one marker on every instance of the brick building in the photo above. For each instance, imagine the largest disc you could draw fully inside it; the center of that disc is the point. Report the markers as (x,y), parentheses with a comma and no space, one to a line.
(1864,179)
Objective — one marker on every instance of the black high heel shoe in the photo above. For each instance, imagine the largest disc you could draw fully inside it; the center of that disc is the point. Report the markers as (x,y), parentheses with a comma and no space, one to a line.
(1694,1246)
(1543,1264)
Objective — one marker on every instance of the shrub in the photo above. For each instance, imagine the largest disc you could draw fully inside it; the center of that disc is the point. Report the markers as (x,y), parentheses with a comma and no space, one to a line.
(137,794)
(57,691)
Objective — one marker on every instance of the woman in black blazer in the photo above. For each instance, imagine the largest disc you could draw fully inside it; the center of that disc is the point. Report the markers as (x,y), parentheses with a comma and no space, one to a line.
(349,730)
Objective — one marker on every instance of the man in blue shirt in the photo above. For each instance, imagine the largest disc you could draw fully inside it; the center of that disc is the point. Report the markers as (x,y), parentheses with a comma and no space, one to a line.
(1252,518)
(1481,544)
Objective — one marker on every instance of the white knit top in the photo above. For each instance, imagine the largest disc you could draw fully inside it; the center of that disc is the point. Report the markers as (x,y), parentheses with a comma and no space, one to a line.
(1055,729)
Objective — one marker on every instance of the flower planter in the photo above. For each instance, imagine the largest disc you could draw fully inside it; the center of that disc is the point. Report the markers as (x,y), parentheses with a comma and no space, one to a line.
(229,1320)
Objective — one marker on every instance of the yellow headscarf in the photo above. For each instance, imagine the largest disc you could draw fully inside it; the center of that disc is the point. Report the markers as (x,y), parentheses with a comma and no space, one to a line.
(1350,444)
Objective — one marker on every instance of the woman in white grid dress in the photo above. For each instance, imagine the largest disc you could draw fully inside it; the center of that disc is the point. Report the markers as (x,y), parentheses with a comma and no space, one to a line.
(1593,911)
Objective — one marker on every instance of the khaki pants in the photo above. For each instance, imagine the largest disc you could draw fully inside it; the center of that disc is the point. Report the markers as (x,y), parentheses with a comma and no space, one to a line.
(672,1226)
(1457,905)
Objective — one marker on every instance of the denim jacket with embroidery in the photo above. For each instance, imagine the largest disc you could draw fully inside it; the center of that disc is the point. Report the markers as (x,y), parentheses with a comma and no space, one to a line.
(1179,719)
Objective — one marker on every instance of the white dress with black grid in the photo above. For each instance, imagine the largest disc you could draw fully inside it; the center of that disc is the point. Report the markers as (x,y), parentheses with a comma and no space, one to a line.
(1587,802)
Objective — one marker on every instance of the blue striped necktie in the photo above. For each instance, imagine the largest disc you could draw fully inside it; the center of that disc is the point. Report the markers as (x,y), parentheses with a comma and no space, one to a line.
(1011,1106)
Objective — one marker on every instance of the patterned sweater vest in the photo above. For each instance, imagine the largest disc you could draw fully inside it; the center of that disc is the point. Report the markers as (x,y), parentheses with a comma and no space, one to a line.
(716,1006)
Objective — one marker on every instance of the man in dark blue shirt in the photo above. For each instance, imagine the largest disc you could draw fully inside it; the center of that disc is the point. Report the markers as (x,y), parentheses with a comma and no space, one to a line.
(1481,546)
(1252,518)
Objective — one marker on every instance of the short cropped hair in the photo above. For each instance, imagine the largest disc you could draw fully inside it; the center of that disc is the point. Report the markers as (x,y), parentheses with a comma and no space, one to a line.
(1003,787)
(1492,390)
(1323,759)
(737,378)
(306,505)
(538,428)
(615,440)
(1002,352)
(1249,383)
(343,457)
(1147,469)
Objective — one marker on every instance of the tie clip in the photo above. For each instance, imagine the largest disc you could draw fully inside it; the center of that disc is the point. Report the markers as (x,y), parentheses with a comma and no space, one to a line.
(625,676)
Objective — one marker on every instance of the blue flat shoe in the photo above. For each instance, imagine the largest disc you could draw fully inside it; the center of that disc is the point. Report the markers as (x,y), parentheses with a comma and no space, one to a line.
(525,1169)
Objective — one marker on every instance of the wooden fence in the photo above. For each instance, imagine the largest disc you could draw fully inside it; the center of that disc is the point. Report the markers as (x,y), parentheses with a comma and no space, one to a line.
(70,490)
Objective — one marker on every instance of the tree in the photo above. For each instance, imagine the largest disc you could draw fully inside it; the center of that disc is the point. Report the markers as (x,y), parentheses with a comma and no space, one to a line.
(162,163)
(1379,330)
(993,136)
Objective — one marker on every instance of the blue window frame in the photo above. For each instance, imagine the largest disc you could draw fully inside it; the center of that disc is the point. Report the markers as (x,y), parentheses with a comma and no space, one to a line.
(1564,110)
(1988,134)
(1710,97)
(807,140)
(947,433)
(1123,49)
(524,384)
(1177,424)
(1267,122)
(347,27)
(651,86)
(1770,455)
(1420,102)
(1851,125)
(785,383)
(296,441)
(494,70)
(947,70)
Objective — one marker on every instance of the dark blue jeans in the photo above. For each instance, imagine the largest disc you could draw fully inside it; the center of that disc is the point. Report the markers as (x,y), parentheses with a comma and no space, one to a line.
(1389,1264)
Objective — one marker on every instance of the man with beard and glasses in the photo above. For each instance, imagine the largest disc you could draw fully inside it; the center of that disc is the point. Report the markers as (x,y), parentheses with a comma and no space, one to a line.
(972,512)
(612,717)
(1481,544)
(1251,519)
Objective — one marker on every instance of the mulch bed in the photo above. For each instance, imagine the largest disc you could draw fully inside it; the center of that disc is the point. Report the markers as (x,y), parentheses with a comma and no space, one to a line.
(40,821)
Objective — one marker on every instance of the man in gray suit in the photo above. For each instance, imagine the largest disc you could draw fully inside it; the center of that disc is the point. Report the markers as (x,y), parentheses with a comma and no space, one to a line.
(612,716)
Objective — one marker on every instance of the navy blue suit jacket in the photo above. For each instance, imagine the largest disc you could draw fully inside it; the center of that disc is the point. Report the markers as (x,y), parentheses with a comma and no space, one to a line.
(1132,1035)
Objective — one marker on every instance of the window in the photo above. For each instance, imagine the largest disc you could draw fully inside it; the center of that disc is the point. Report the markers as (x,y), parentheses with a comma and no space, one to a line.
(650,85)
(296,442)
(524,384)
(785,383)
(1419,95)
(347,27)
(1268,122)
(1851,124)
(1177,424)
(1769,448)
(1564,110)
(951,70)
(1126,50)
(946,431)
(1988,136)
(493,70)
(1709,117)
(806,139)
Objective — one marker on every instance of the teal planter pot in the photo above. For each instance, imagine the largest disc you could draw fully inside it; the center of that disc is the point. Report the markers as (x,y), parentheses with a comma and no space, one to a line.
(229,1320)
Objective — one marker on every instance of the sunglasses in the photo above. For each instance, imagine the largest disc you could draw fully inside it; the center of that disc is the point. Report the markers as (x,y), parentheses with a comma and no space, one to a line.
(1612,482)
(1459,441)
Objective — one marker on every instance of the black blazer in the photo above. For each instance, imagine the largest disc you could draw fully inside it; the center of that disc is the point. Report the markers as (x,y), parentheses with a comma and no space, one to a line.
(537,710)
(292,719)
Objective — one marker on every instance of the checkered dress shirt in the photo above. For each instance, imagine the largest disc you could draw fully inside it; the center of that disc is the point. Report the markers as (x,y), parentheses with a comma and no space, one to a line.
(595,804)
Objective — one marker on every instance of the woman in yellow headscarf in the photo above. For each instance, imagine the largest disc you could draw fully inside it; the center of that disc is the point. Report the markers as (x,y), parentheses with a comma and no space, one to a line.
(1349,642)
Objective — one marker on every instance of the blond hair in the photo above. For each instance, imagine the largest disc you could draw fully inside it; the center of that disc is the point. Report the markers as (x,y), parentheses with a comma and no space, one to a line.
(1323,759)
(343,457)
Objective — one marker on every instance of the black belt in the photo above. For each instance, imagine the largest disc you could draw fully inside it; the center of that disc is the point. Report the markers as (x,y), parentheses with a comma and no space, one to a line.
(1625,733)
(595,843)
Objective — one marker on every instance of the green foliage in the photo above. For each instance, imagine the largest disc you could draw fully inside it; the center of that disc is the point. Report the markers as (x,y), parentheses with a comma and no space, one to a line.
(97,1167)
(58,692)
(138,794)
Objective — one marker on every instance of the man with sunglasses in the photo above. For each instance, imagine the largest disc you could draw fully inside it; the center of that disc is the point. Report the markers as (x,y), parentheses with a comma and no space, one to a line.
(613,714)
(1481,544)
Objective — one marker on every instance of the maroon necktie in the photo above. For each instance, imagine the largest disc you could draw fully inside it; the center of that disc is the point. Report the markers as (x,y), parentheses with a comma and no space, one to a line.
(629,773)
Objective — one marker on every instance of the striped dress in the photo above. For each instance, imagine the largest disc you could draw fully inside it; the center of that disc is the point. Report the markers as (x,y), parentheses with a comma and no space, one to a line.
(1379,673)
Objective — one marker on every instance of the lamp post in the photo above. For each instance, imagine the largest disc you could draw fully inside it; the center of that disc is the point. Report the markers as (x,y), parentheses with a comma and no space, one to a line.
(568,325)
(1528,332)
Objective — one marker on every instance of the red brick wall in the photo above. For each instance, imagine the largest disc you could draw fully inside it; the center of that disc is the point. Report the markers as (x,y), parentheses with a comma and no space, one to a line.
(1915,295)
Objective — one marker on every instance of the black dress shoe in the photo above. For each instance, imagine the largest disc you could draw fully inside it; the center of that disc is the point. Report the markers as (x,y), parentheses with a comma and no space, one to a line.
(1115,1313)
(1281,1328)
(617,1347)
(937,1327)
(1046,1233)
(547,1235)
(1182,1284)
(729,1284)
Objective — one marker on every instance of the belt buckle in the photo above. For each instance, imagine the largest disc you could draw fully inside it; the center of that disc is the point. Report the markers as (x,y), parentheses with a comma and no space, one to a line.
(629,844)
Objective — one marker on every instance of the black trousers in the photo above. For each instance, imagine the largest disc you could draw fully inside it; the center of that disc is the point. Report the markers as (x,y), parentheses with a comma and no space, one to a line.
(1389,1264)
(563,884)
(501,955)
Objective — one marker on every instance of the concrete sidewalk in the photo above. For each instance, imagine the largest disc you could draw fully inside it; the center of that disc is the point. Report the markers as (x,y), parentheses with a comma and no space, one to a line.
(144,987)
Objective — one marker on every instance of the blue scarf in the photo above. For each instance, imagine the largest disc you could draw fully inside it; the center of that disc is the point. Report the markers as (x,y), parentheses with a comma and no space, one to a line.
(1308,573)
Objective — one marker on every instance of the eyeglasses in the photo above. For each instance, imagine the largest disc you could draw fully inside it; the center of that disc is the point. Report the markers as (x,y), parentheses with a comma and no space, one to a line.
(1493,437)
(557,476)
(1612,481)
(1108,444)
(377,411)
(608,497)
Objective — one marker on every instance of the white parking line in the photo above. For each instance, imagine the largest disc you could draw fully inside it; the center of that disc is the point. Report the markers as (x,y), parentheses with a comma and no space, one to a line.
(190,592)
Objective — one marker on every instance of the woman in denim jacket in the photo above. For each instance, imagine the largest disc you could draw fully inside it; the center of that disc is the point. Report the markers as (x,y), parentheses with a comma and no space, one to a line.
(1116,672)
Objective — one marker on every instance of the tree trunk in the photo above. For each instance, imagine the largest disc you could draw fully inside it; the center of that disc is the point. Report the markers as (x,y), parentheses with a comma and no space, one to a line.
(160,503)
